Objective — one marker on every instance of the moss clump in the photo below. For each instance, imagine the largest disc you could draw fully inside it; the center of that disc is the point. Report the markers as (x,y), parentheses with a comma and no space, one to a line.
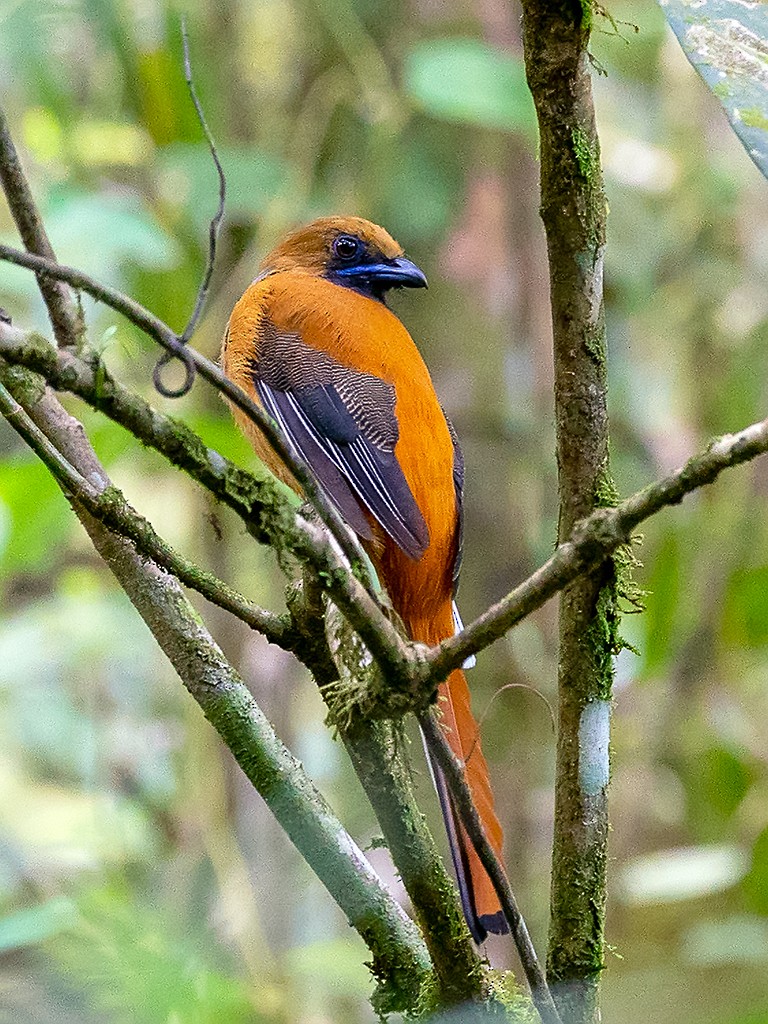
(25,386)
(624,558)
(619,595)
(505,1003)
(585,153)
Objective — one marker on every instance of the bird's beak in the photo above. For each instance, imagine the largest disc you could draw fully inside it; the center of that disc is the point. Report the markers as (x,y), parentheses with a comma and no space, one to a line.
(396,273)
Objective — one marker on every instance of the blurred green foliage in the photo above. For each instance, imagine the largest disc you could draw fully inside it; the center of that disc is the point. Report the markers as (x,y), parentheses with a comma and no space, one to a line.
(140,878)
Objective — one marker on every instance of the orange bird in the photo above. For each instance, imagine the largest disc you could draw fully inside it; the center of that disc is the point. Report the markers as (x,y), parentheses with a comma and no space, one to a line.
(314,343)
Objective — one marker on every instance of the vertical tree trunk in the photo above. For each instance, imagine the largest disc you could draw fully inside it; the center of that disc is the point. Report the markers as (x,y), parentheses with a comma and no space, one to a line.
(556,36)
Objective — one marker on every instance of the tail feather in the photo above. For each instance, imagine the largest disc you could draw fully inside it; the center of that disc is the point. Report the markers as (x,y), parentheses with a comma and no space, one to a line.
(480,903)
(478,898)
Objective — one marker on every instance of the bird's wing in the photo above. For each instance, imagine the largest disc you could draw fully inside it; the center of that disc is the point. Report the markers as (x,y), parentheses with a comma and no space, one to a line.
(342,423)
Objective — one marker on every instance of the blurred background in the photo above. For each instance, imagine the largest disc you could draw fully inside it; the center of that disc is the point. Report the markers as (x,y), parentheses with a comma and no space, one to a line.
(141,879)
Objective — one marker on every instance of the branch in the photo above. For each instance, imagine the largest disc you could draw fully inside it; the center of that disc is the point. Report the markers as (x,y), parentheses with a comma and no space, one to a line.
(400,960)
(258,504)
(377,751)
(194,362)
(213,233)
(215,225)
(451,945)
(261,505)
(110,507)
(453,769)
(593,540)
(376,755)
(65,317)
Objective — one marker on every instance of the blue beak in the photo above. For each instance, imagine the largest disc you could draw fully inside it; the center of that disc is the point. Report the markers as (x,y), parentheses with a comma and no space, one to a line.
(397,273)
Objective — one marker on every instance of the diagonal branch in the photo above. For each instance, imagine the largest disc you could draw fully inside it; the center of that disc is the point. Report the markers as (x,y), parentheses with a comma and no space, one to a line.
(262,506)
(377,758)
(593,540)
(160,332)
(110,507)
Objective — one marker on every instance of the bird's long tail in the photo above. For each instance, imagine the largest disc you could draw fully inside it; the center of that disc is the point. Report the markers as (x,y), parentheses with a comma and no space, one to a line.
(478,898)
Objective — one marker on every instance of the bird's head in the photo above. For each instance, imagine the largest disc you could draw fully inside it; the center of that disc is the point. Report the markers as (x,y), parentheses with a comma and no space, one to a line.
(349,251)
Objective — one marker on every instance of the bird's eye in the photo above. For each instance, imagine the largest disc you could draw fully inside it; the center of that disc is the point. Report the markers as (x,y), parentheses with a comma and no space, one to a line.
(346,247)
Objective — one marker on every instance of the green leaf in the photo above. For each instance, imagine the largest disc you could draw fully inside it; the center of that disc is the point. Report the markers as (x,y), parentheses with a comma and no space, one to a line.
(663,583)
(724,779)
(468,81)
(133,965)
(420,192)
(100,234)
(727,44)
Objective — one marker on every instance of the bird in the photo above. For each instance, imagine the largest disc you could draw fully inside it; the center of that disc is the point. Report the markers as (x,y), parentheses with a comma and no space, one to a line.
(313,341)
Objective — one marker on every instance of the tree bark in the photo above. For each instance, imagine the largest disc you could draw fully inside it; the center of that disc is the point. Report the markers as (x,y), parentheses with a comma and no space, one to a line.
(556,36)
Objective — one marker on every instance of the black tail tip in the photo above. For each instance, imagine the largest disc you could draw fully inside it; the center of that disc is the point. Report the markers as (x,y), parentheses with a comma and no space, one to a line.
(483,925)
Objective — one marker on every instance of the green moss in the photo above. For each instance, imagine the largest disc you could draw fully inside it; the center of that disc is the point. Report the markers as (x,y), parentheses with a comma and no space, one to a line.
(398,983)
(26,387)
(507,993)
(587,10)
(624,559)
(594,343)
(504,1003)
(620,593)
(585,153)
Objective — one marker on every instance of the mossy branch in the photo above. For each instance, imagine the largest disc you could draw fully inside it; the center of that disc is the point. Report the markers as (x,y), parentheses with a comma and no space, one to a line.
(110,507)
(573,208)
(195,363)
(593,539)
(378,753)
(263,507)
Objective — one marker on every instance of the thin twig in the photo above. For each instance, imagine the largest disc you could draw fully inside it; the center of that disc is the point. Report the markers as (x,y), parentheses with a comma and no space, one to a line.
(453,770)
(487,709)
(68,478)
(213,236)
(163,335)
(64,314)
(215,225)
